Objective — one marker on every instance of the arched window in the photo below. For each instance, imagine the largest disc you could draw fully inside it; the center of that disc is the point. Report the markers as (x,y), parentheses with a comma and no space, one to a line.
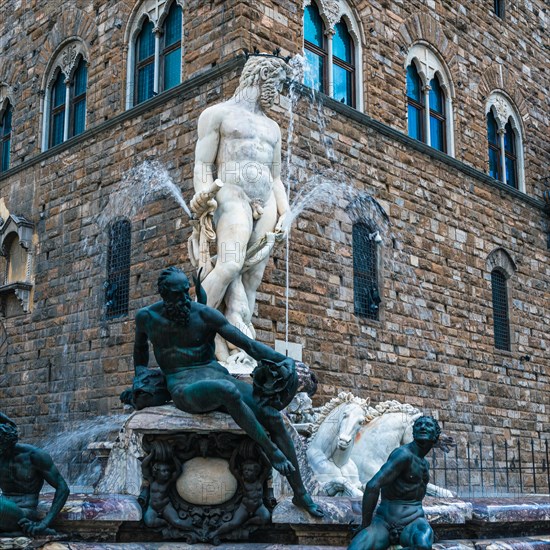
(437,115)
(366,295)
(315,49)
(332,48)
(500,310)
(415,101)
(5,137)
(429,99)
(78,99)
(117,286)
(145,63)
(65,95)
(154,37)
(171,53)
(504,140)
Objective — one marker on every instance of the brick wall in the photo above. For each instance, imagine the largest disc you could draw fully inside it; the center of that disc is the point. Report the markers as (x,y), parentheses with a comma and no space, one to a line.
(433,346)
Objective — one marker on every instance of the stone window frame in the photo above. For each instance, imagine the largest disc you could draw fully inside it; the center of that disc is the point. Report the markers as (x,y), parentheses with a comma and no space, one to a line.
(17,227)
(430,64)
(500,260)
(155,11)
(332,12)
(504,110)
(66,60)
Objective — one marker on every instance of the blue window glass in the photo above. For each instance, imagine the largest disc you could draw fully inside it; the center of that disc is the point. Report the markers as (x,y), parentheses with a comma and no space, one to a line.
(415,104)
(57,112)
(437,115)
(494,147)
(315,71)
(313,26)
(315,49)
(343,70)
(78,99)
(342,45)
(145,65)
(510,155)
(172,47)
(5,137)
(414,84)
(343,85)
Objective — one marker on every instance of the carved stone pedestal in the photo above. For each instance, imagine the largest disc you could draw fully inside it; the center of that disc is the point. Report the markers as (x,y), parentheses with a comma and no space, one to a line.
(199,477)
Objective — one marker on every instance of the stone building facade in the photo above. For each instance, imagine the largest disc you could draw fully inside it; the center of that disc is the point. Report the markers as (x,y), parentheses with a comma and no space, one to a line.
(451,223)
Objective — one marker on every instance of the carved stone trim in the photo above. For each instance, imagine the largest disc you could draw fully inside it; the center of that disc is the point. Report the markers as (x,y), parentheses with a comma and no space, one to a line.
(21,290)
(499,258)
(66,61)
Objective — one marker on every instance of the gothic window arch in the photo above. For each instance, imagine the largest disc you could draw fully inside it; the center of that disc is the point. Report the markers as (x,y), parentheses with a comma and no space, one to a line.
(366,292)
(332,47)
(119,254)
(501,268)
(65,92)
(6,116)
(430,94)
(505,141)
(154,38)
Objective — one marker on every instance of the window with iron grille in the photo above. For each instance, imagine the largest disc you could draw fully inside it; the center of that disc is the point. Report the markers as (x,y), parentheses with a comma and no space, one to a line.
(366,295)
(117,286)
(500,310)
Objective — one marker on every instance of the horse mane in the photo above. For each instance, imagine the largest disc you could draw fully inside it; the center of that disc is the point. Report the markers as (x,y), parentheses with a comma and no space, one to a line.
(371,413)
(342,398)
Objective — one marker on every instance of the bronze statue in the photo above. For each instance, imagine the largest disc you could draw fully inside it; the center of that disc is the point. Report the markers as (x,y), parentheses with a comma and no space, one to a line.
(182,334)
(23,470)
(402,480)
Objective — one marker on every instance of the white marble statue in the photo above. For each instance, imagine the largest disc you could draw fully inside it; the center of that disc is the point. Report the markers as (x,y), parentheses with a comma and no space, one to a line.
(352,440)
(332,442)
(240,202)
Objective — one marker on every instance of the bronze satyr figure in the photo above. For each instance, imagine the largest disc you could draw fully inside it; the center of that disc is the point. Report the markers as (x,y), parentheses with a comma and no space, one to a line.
(182,334)
(23,470)
(402,480)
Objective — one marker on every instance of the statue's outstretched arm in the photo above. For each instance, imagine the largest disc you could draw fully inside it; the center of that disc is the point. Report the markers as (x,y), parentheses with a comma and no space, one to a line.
(232,334)
(44,465)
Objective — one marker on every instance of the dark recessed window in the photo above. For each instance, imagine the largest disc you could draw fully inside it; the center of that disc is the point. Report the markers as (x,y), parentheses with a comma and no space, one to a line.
(5,137)
(117,286)
(171,53)
(315,48)
(415,103)
(78,99)
(500,310)
(145,63)
(366,294)
(437,116)
(57,111)
(498,8)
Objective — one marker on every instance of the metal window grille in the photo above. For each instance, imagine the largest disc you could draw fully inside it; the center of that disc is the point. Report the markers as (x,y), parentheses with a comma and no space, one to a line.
(365,273)
(500,310)
(117,286)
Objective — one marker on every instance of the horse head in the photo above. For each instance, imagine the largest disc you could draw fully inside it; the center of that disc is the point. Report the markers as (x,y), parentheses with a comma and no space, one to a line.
(350,419)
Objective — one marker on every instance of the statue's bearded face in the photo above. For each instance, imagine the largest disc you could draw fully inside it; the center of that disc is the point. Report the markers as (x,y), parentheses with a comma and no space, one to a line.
(271,87)
(177,302)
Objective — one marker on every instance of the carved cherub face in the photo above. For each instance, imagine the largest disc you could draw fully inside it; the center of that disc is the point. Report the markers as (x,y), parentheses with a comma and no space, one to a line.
(162,472)
(250,471)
